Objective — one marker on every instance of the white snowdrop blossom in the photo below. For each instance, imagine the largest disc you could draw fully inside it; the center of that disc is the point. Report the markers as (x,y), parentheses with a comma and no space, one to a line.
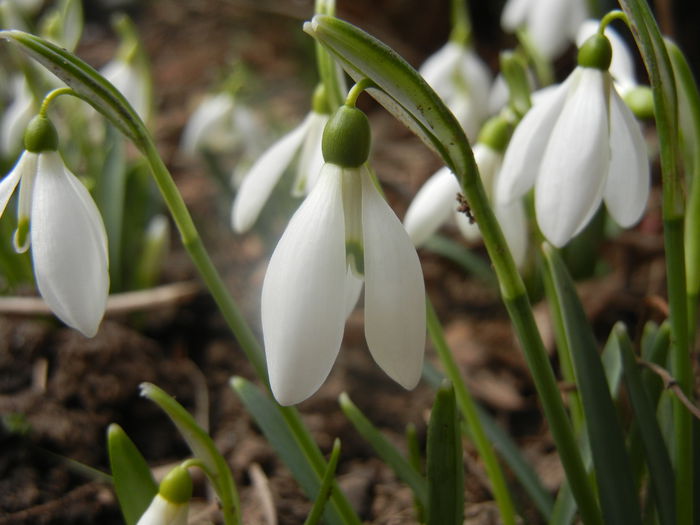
(132,81)
(172,503)
(66,234)
(219,125)
(266,172)
(463,81)
(578,145)
(551,24)
(16,117)
(343,232)
(436,202)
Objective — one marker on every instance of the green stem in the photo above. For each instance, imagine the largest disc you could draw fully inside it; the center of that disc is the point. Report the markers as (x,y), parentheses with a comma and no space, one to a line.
(356,91)
(325,63)
(461,22)
(193,244)
(471,416)
(610,17)
(51,96)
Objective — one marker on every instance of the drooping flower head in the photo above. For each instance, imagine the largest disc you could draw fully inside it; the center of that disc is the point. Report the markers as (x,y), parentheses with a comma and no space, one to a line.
(266,172)
(172,503)
(436,201)
(578,145)
(463,81)
(57,217)
(344,232)
(551,24)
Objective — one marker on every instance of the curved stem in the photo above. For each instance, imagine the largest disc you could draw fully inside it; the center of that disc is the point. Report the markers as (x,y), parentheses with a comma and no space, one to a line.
(51,96)
(611,16)
(356,91)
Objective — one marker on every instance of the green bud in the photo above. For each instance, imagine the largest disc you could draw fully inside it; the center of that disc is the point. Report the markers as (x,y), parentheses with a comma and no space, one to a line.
(347,138)
(319,101)
(596,52)
(496,133)
(176,487)
(40,135)
(641,101)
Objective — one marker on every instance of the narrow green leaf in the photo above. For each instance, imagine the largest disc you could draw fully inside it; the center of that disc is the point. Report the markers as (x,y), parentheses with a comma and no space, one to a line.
(326,486)
(445,466)
(202,446)
(415,459)
(612,365)
(612,467)
(273,425)
(658,460)
(84,80)
(399,87)
(133,481)
(389,454)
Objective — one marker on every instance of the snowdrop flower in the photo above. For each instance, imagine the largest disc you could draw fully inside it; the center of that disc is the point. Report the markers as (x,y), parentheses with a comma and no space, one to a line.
(436,201)
(219,125)
(266,172)
(578,146)
(66,233)
(551,24)
(16,117)
(463,82)
(172,503)
(343,231)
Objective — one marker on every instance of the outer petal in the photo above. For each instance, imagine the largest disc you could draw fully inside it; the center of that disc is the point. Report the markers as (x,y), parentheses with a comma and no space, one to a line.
(440,66)
(163,512)
(524,154)
(311,158)
(207,123)
(515,14)
(575,164)
(513,222)
(551,26)
(69,247)
(16,117)
(263,177)
(627,187)
(303,307)
(26,165)
(394,291)
(431,206)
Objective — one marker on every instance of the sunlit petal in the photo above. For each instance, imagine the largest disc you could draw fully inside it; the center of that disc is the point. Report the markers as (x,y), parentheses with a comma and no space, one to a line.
(69,247)
(575,164)
(524,154)
(394,291)
(627,187)
(303,312)
(263,176)
(431,206)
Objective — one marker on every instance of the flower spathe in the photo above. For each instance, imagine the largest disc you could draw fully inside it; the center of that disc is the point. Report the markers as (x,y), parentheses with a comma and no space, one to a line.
(578,145)
(344,223)
(67,238)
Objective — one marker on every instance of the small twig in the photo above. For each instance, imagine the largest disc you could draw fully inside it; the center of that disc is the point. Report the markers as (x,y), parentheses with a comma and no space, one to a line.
(120,303)
(671,384)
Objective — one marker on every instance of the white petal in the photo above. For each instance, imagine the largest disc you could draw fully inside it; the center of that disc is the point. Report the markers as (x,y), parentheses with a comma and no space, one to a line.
(207,122)
(16,117)
(513,222)
(263,176)
(163,512)
(575,164)
(69,247)
(303,307)
(514,14)
(394,291)
(432,206)
(522,159)
(627,187)
(26,165)
(438,69)
(550,26)
(131,81)
(311,157)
